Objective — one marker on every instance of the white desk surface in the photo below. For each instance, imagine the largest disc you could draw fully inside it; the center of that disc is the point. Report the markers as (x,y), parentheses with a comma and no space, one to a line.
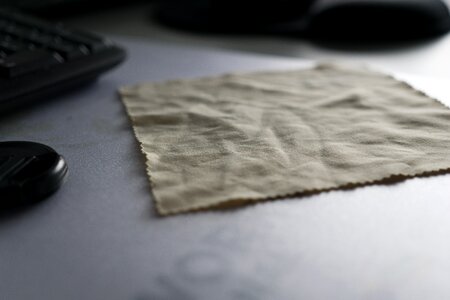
(99,238)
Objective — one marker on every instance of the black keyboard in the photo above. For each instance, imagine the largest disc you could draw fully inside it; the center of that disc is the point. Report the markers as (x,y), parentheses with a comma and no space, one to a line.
(38,59)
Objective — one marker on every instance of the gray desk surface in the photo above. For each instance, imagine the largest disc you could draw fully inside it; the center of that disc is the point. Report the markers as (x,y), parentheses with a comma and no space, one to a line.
(99,238)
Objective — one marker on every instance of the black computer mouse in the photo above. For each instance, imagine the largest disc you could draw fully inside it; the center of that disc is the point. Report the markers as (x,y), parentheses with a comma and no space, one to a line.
(29,173)
(377,19)
(230,16)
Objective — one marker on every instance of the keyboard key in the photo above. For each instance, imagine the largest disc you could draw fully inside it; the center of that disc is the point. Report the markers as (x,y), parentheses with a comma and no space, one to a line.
(67,50)
(15,30)
(27,61)
(94,44)
(39,38)
(10,45)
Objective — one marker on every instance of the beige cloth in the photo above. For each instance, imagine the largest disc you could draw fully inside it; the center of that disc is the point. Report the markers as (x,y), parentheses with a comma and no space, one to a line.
(240,138)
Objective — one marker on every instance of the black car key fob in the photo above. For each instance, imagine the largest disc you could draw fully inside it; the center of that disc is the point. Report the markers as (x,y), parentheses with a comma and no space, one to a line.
(29,172)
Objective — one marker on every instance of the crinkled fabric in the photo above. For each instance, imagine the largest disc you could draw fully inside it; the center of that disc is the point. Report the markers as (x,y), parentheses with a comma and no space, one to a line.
(240,138)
